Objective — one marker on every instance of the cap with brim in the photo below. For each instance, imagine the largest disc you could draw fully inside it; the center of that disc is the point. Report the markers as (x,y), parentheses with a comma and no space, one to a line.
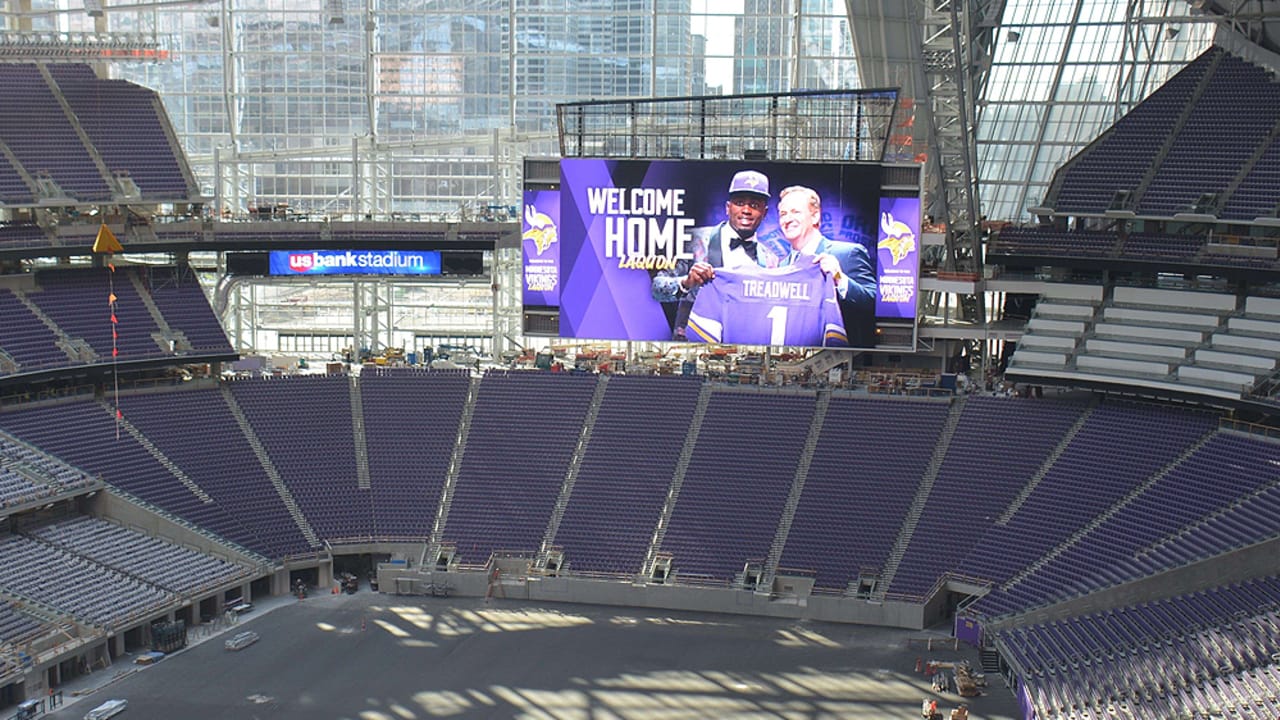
(750,181)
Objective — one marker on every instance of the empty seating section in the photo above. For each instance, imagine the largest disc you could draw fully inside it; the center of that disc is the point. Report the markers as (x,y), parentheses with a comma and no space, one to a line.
(411,421)
(1252,518)
(177,294)
(1256,195)
(171,567)
(75,585)
(1161,247)
(304,423)
(65,319)
(196,431)
(17,627)
(13,189)
(1141,535)
(1206,654)
(865,471)
(1041,242)
(124,123)
(1204,157)
(43,139)
(27,340)
(16,488)
(737,483)
(78,301)
(1118,160)
(524,429)
(1004,506)
(1190,116)
(997,447)
(126,126)
(1092,473)
(625,473)
(84,434)
(19,235)
(28,475)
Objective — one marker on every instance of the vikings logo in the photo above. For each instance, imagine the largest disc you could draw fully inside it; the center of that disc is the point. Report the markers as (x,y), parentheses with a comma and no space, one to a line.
(542,231)
(898,237)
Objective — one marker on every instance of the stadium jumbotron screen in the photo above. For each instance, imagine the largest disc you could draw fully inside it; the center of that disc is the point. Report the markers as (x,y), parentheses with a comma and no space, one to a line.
(759,253)
(354,262)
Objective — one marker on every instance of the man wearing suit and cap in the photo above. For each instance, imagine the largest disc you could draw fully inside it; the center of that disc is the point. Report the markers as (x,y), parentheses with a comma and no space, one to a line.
(731,244)
(799,217)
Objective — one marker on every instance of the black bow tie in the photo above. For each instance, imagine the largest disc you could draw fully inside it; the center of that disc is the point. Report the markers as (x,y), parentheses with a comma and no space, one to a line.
(747,245)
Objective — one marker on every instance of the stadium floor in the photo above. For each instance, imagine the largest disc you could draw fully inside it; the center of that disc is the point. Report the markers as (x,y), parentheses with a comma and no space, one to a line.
(380,657)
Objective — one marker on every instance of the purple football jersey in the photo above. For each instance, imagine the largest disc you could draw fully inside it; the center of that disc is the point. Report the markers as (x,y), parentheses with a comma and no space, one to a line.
(793,305)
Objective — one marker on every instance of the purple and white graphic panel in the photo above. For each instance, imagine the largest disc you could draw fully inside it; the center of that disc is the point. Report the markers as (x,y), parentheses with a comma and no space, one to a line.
(540,223)
(898,255)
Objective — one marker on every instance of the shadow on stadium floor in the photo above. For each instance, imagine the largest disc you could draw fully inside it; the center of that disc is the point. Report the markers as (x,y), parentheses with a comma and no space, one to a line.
(382,657)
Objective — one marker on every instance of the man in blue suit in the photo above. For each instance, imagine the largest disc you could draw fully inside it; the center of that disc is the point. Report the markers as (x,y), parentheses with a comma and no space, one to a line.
(799,217)
(731,243)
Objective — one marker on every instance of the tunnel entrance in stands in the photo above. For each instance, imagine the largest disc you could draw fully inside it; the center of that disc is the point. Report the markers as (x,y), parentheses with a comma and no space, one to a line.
(135,639)
(260,588)
(9,695)
(209,609)
(363,566)
(307,577)
(941,609)
(70,669)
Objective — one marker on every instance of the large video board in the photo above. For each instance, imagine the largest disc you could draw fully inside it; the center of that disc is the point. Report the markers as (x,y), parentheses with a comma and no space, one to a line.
(354,262)
(770,253)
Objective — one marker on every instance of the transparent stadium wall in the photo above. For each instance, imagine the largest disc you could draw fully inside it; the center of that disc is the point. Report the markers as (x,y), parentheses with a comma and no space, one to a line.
(325,319)
(1062,72)
(375,107)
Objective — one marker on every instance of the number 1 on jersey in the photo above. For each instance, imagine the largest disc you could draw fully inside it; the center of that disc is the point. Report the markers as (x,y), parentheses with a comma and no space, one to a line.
(778,325)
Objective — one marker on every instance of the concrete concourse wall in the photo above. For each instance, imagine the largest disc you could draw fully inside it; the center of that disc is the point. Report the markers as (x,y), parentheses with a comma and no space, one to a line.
(658,596)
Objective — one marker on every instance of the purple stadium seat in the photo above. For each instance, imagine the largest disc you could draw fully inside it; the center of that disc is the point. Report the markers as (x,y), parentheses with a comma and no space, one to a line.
(304,422)
(624,475)
(738,480)
(411,421)
(864,474)
(523,432)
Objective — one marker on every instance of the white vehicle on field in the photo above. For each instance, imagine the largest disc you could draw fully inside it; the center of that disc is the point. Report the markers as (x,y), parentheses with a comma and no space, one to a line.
(108,709)
(241,640)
